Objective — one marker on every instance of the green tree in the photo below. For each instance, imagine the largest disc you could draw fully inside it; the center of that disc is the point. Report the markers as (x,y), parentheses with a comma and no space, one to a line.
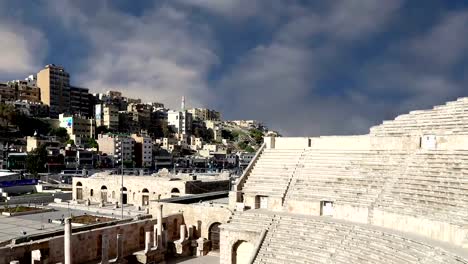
(92,143)
(249,149)
(61,133)
(257,135)
(36,160)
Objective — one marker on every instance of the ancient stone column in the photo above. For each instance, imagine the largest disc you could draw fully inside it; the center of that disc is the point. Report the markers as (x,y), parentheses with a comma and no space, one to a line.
(105,249)
(120,239)
(159,227)
(147,241)
(67,238)
(182,233)
(190,231)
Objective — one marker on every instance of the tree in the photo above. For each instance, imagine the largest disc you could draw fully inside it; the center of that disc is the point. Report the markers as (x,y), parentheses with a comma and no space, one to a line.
(36,160)
(92,143)
(101,130)
(70,142)
(257,135)
(61,133)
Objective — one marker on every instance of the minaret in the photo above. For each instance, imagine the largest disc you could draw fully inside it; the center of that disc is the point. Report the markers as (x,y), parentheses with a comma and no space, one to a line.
(182,106)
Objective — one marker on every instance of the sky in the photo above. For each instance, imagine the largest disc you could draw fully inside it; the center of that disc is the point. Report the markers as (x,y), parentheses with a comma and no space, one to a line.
(302,67)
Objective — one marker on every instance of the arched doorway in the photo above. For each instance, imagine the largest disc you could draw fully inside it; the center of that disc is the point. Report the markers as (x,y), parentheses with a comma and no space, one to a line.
(213,236)
(124,196)
(241,252)
(79,191)
(175,192)
(145,197)
(104,193)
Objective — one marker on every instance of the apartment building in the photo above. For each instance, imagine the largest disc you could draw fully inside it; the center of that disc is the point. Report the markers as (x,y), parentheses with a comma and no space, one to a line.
(19,90)
(143,151)
(181,121)
(79,128)
(54,83)
(107,115)
(118,147)
(80,101)
(203,114)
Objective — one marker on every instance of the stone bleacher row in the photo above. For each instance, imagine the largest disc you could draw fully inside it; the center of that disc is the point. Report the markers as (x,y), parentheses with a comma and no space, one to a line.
(272,171)
(451,118)
(302,239)
(431,184)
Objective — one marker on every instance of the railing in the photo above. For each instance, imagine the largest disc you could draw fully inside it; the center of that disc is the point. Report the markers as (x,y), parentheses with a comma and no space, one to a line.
(249,168)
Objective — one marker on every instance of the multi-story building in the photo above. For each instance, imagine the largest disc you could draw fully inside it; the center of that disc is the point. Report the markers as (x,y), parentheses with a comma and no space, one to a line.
(19,90)
(54,83)
(79,101)
(7,93)
(141,114)
(143,150)
(215,126)
(181,121)
(79,128)
(118,147)
(127,124)
(36,109)
(203,114)
(107,115)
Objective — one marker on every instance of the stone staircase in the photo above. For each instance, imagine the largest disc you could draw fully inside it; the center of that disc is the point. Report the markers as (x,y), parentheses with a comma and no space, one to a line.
(272,172)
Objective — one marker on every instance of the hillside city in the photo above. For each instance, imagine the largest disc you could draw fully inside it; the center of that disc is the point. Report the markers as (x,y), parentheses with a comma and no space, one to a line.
(156,136)
(50,125)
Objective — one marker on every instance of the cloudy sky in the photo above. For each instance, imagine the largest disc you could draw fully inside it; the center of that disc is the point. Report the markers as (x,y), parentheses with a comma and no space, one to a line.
(303,67)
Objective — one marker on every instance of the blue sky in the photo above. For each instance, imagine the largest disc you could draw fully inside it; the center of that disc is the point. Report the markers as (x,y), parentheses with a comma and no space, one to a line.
(302,67)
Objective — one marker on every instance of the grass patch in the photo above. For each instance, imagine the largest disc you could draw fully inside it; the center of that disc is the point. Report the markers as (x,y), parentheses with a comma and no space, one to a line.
(19,209)
(90,219)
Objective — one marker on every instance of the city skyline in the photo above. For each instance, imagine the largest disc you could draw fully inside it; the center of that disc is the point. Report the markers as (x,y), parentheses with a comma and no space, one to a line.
(303,69)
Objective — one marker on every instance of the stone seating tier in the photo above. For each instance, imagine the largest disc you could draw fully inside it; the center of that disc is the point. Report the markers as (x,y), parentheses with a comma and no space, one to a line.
(450,118)
(303,239)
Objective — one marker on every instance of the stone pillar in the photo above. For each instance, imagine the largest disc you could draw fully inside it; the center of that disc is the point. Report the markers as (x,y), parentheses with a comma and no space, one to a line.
(67,238)
(36,256)
(164,239)
(105,249)
(190,231)
(182,233)
(147,241)
(159,215)
(120,240)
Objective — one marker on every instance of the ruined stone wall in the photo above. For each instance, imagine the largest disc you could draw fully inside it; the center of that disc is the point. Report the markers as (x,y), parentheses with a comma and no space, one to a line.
(86,245)
(229,239)
(202,216)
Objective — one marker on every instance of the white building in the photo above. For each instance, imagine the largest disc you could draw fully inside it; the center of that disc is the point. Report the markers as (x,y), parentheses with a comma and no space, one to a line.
(181,121)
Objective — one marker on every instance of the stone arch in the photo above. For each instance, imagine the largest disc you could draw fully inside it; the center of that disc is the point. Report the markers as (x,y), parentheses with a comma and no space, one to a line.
(214,235)
(104,193)
(124,197)
(145,197)
(241,252)
(79,191)
(175,192)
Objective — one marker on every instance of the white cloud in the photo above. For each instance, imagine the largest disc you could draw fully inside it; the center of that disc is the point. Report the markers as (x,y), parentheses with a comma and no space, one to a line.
(22,49)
